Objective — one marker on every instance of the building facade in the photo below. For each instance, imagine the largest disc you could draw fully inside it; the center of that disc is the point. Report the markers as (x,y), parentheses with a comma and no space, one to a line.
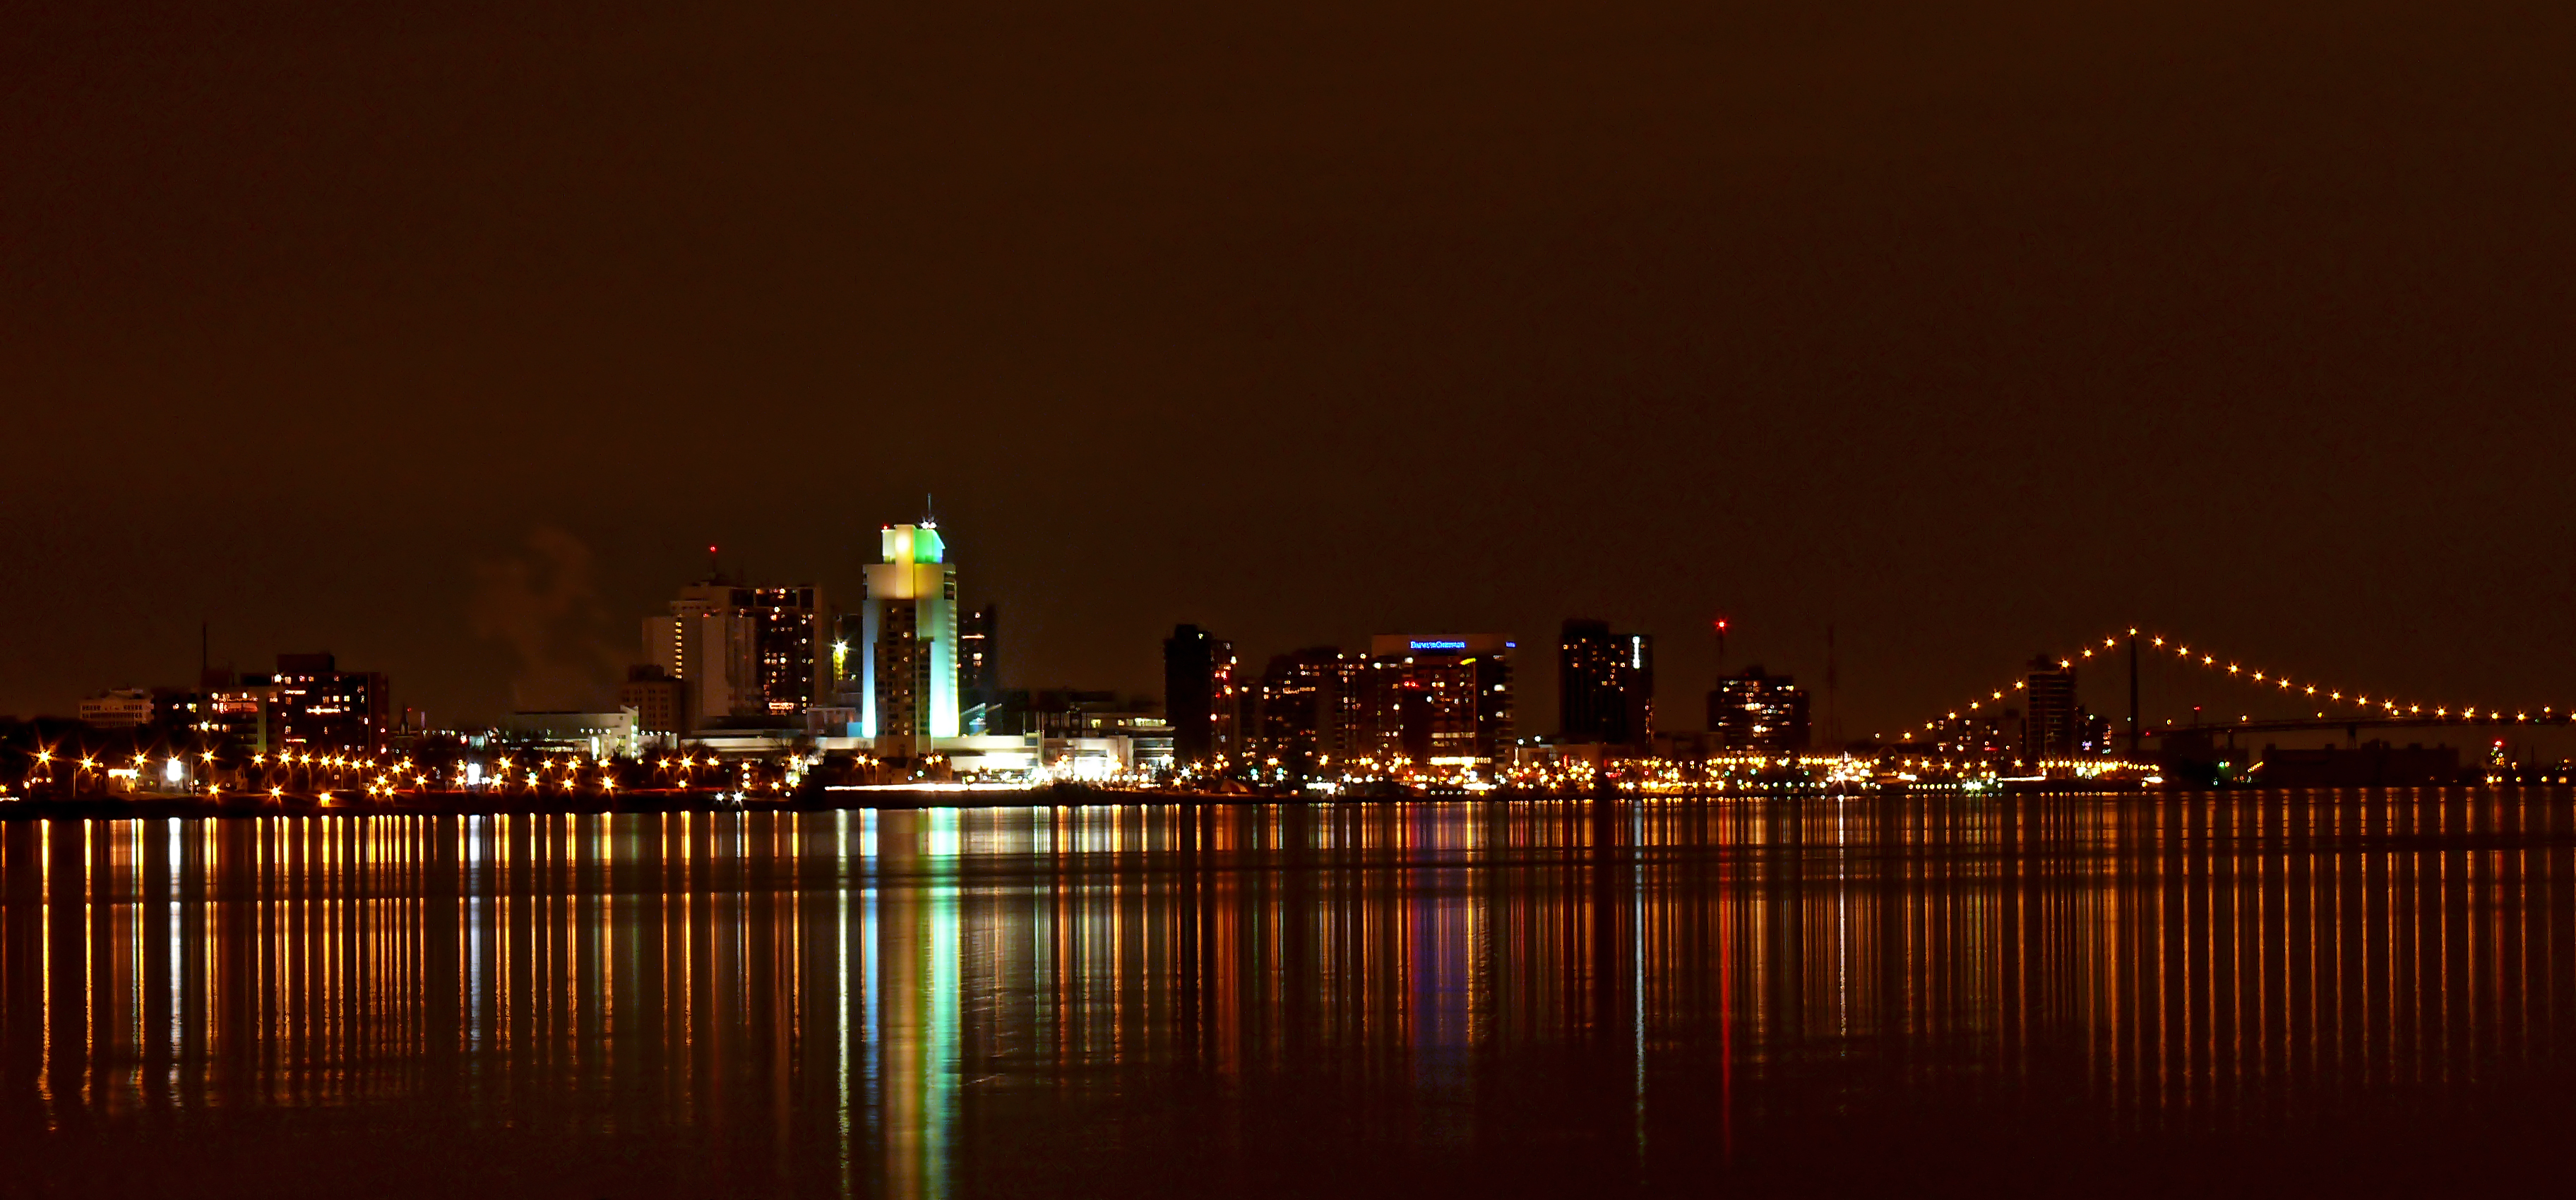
(661,702)
(316,706)
(118,708)
(788,639)
(1759,712)
(1443,700)
(601,735)
(2052,725)
(908,642)
(713,646)
(1295,720)
(1200,698)
(979,667)
(742,651)
(1605,685)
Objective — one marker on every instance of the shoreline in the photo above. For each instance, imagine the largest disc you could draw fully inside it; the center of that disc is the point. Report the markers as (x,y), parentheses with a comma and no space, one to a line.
(696,800)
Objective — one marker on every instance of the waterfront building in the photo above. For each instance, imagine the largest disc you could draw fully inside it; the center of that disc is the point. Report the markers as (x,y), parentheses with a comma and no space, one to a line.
(311,704)
(600,735)
(741,651)
(2052,726)
(1063,731)
(979,668)
(1438,699)
(712,646)
(1200,697)
(117,708)
(1605,685)
(907,689)
(1296,710)
(1758,711)
(660,701)
(787,642)
(227,708)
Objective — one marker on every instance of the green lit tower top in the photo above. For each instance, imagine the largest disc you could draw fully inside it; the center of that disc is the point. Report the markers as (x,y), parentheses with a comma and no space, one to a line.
(909,657)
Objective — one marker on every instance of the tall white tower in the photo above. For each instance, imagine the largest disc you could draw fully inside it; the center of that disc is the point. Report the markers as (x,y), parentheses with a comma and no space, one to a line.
(712,644)
(909,660)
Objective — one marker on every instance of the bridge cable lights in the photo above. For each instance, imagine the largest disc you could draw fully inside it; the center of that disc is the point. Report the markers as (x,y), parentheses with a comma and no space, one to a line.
(2387,708)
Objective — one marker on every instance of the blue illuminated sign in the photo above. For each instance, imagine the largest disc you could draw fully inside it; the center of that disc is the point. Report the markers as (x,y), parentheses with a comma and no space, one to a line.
(1421,644)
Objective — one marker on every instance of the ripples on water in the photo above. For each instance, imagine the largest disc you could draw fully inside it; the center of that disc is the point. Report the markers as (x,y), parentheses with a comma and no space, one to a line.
(2255,992)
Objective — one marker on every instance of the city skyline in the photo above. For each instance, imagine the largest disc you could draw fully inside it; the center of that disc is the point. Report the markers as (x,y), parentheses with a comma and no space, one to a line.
(1540,711)
(1151,599)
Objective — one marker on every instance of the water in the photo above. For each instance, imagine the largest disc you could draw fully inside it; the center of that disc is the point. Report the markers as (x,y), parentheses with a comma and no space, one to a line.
(2240,994)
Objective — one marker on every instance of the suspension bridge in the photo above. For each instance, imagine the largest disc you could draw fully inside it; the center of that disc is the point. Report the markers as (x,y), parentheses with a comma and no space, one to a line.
(2332,708)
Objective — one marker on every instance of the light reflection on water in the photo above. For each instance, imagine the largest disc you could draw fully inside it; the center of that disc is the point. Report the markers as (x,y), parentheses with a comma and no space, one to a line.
(1143,998)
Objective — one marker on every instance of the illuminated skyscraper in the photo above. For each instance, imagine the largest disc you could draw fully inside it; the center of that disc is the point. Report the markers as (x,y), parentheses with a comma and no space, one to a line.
(908,681)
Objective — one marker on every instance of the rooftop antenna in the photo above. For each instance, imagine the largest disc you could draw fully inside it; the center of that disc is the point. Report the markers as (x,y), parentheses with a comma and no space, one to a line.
(929,512)
(715,566)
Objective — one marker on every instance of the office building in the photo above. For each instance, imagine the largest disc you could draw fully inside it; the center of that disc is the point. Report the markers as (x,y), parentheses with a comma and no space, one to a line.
(714,647)
(2052,726)
(1200,698)
(979,668)
(787,644)
(226,708)
(907,645)
(661,702)
(1442,700)
(313,705)
(741,651)
(117,708)
(1759,712)
(1605,685)
(1296,710)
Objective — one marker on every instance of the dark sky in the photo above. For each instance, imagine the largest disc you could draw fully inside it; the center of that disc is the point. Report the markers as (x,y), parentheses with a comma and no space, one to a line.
(446,337)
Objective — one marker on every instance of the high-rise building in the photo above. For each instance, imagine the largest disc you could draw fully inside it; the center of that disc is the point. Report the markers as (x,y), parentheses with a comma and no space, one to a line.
(1296,709)
(1443,699)
(742,651)
(1758,711)
(979,667)
(318,706)
(1199,695)
(787,645)
(908,634)
(2052,726)
(1605,685)
(714,648)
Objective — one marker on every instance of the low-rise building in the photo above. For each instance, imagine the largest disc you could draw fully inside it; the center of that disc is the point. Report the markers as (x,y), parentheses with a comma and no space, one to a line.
(659,698)
(117,708)
(597,734)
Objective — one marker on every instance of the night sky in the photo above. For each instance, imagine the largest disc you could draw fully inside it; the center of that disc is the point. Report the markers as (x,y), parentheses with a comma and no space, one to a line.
(448,337)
